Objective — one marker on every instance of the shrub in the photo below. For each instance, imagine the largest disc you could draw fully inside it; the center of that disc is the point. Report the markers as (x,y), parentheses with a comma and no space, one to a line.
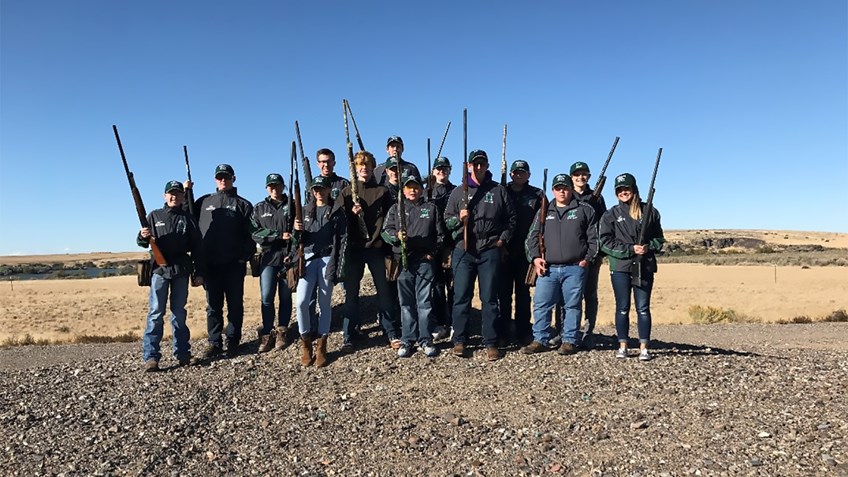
(128,337)
(710,314)
(838,316)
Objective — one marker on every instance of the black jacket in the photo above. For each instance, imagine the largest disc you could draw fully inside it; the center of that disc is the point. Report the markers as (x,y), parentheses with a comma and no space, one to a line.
(570,234)
(224,220)
(176,235)
(269,220)
(491,217)
(333,222)
(619,232)
(526,204)
(425,230)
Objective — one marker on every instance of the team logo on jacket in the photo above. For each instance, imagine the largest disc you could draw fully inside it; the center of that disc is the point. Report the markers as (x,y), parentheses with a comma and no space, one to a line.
(181,226)
(335,193)
(425,214)
(620,219)
(531,202)
(159,223)
(551,216)
(267,214)
(489,198)
(572,214)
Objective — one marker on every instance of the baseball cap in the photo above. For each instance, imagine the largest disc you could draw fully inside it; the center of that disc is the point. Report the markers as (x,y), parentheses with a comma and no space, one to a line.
(625,180)
(519,166)
(391,162)
(563,179)
(224,169)
(577,166)
(174,185)
(478,154)
(410,176)
(441,162)
(321,181)
(274,178)
(392,139)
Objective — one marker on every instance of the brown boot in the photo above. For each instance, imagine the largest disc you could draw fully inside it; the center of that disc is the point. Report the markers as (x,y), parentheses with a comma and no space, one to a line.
(281,340)
(266,343)
(321,353)
(306,350)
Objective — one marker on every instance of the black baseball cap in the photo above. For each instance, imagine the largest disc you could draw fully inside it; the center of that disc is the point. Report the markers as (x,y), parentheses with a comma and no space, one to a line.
(224,169)
(392,139)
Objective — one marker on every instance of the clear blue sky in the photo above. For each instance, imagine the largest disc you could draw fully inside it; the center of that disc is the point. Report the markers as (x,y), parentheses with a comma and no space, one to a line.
(748,100)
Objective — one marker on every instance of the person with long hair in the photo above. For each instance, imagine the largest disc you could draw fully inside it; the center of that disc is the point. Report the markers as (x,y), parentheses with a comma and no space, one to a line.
(619,236)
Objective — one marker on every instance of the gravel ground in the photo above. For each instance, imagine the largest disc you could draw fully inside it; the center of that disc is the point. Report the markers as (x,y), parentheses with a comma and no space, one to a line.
(717,400)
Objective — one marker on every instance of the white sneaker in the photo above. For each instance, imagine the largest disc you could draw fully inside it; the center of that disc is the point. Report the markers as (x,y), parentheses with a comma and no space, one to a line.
(644,355)
(430,351)
(440,333)
(404,351)
(621,353)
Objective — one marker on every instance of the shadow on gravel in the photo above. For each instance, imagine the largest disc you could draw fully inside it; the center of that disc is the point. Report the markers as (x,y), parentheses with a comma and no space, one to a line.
(610,342)
(686,349)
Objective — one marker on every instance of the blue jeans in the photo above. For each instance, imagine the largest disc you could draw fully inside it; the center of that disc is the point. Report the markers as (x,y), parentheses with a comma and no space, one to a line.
(272,279)
(159,288)
(224,280)
(312,279)
(466,268)
(386,297)
(621,287)
(415,284)
(561,283)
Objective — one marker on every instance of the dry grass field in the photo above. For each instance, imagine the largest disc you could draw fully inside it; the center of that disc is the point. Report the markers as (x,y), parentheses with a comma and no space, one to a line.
(62,310)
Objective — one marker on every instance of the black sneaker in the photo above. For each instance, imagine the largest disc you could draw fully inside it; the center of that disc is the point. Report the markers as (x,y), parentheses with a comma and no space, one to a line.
(211,351)
(232,350)
(184,360)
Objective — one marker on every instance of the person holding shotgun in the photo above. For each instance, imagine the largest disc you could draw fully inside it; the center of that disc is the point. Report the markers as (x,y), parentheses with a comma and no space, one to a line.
(562,244)
(224,220)
(526,200)
(177,235)
(373,205)
(620,230)
(440,190)
(323,237)
(272,223)
(481,229)
(415,233)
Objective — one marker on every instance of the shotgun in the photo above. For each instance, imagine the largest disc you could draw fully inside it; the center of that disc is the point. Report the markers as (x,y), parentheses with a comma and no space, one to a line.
(307,169)
(354,182)
(139,204)
(503,160)
(530,279)
(298,215)
(636,268)
(355,128)
(465,177)
(599,186)
(431,180)
(189,193)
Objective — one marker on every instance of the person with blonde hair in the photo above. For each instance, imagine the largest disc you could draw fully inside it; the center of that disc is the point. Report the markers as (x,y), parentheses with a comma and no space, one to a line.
(372,205)
(620,227)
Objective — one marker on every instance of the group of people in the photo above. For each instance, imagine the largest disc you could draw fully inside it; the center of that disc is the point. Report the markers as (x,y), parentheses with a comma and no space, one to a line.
(425,243)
